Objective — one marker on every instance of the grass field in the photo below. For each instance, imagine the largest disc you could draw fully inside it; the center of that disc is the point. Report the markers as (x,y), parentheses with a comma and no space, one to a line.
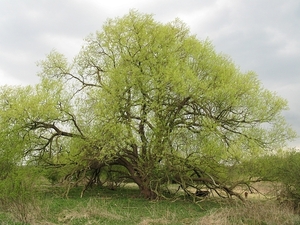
(126,206)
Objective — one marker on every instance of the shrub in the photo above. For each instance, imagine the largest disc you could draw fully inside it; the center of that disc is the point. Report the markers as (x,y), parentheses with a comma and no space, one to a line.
(18,194)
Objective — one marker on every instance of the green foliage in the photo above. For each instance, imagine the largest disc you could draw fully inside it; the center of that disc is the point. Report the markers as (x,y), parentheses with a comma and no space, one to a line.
(289,172)
(284,169)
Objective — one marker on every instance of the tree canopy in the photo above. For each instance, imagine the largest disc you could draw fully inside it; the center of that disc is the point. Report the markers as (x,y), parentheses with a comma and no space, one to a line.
(148,102)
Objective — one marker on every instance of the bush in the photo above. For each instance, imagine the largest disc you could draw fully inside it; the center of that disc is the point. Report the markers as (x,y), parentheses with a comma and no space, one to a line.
(18,194)
(281,169)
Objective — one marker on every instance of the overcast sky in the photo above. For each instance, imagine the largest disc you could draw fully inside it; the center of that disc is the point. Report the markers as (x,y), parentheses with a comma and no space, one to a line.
(259,35)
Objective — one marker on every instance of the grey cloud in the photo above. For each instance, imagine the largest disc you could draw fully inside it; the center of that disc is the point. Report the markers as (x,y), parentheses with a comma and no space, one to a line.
(24,24)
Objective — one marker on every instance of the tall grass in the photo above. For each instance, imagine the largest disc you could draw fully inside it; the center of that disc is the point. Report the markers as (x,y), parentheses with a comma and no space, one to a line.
(126,206)
(102,206)
(18,199)
(252,213)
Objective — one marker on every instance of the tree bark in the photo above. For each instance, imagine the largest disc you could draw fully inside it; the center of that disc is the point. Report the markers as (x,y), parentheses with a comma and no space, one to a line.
(143,182)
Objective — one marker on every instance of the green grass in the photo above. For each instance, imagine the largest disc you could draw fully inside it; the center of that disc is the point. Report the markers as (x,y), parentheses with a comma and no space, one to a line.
(126,206)
(103,206)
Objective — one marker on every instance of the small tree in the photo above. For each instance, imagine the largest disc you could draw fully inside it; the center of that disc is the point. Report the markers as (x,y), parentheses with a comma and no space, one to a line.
(283,169)
(151,98)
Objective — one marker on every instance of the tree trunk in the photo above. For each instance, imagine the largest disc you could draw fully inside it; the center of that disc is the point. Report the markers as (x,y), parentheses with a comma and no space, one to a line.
(143,182)
(147,192)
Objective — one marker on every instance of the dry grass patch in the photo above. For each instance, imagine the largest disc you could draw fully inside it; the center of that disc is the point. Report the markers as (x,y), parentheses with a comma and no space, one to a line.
(149,221)
(91,210)
(252,213)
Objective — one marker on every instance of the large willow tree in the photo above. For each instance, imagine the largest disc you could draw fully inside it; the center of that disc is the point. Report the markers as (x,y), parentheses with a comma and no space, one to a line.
(149,98)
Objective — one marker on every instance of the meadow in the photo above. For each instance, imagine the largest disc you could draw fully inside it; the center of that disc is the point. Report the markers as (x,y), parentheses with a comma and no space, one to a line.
(125,205)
